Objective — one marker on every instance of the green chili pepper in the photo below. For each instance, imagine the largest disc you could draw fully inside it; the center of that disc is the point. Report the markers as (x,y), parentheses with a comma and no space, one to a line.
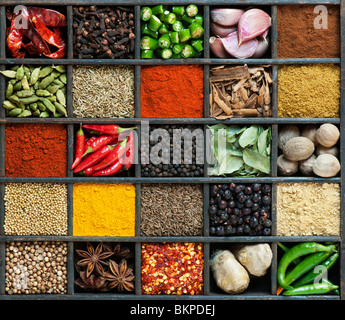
(146,54)
(148,43)
(177,48)
(197,45)
(199,19)
(145,13)
(285,249)
(311,275)
(192,10)
(315,288)
(295,252)
(187,51)
(184,35)
(146,31)
(170,18)
(178,10)
(164,41)
(175,56)
(174,38)
(196,30)
(165,53)
(177,26)
(307,264)
(187,19)
(154,23)
(163,29)
(158,9)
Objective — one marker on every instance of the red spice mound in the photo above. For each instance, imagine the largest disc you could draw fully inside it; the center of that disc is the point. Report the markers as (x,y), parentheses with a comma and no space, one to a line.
(298,38)
(172,91)
(35,150)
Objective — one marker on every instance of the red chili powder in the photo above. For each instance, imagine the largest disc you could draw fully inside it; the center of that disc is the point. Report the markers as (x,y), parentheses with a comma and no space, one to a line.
(298,37)
(172,91)
(35,150)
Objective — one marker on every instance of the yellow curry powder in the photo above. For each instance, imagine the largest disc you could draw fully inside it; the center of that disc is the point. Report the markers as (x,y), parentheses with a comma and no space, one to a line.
(309,91)
(101,209)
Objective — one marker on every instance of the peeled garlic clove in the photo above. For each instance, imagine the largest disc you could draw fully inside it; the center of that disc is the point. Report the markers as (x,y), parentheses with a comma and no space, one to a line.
(217,48)
(226,17)
(243,51)
(220,31)
(262,48)
(252,23)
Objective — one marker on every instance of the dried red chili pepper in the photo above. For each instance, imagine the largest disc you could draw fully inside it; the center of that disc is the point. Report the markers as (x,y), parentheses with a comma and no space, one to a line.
(99,142)
(49,17)
(114,156)
(93,158)
(52,38)
(80,142)
(109,171)
(14,41)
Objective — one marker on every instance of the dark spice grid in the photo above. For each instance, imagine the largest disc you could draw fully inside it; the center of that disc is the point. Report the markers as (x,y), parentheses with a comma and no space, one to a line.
(260,292)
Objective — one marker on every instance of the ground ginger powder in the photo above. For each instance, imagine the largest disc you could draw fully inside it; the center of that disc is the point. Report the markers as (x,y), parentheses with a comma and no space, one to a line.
(309,91)
(308,209)
(102,209)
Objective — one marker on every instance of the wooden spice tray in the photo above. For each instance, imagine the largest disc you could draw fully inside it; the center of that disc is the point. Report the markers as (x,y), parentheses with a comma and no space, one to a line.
(264,290)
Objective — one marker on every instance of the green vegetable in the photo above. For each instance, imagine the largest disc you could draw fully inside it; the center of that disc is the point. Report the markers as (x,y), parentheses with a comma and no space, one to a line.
(312,274)
(145,13)
(158,9)
(174,38)
(197,45)
(297,251)
(177,26)
(187,51)
(178,10)
(177,48)
(146,54)
(164,53)
(146,31)
(154,23)
(192,10)
(240,151)
(148,43)
(164,41)
(163,29)
(184,35)
(315,288)
(187,19)
(199,19)
(196,30)
(170,18)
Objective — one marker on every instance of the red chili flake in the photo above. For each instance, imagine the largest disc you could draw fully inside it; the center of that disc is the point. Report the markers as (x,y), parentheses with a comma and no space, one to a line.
(172,268)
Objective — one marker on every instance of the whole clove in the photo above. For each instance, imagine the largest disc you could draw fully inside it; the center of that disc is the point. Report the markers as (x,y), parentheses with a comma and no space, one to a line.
(103,32)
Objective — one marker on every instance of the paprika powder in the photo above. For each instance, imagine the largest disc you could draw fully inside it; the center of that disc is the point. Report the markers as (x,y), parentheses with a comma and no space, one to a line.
(173,91)
(35,150)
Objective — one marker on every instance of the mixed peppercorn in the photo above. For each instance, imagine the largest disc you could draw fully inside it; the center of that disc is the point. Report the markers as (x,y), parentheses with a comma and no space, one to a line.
(240,209)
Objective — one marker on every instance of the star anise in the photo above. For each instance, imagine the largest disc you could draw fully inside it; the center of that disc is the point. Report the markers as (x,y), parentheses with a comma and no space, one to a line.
(120,251)
(121,276)
(93,259)
(92,283)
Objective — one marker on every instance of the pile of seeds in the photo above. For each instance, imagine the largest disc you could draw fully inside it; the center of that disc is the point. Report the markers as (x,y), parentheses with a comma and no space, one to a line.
(174,157)
(103,91)
(171,210)
(36,267)
(35,209)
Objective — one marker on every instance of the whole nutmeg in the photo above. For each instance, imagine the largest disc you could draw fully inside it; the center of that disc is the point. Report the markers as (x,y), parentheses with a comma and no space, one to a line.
(326,165)
(286,167)
(287,132)
(306,166)
(309,132)
(327,135)
(298,148)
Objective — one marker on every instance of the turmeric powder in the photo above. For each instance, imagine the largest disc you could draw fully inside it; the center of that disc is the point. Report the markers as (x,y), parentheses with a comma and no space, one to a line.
(309,91)
(101,209)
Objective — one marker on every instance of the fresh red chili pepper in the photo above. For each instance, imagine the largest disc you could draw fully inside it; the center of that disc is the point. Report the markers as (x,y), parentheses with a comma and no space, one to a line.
(88,142)
(93,158)
(80,142)
(111,170)
(49,17)
(50,37)
(99,142)
(129,158)
(114,156)
(106,128)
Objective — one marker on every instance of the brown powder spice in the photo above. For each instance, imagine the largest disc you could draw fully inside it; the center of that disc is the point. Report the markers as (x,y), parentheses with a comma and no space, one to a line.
(297,36)
(309,91)
(308,209)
